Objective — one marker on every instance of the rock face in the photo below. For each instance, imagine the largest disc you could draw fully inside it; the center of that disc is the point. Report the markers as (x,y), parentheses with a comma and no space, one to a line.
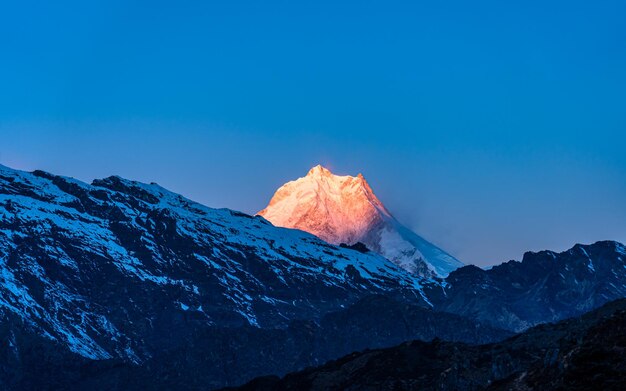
(579,354)
(543,287)
(344,209)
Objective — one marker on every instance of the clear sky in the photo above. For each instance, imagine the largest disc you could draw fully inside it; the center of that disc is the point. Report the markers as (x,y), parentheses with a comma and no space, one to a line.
(490,128)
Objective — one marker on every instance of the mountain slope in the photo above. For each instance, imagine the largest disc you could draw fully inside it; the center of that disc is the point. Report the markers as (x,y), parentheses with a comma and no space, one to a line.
(122,269)
(111,280)
(578,354)
(543,287)
(344,209)
(213,357)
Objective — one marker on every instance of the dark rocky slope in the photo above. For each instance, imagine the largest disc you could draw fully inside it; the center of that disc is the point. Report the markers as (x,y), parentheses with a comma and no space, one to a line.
(586,353)
(212,357)
(543,287)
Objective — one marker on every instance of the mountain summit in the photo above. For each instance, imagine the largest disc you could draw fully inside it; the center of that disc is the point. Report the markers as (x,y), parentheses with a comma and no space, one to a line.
(344,209)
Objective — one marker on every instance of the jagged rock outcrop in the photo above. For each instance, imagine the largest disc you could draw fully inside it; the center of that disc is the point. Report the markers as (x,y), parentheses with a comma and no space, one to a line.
(544,287)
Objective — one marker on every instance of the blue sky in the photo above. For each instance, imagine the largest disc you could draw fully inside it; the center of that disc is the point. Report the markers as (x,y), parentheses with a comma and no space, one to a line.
(491,128)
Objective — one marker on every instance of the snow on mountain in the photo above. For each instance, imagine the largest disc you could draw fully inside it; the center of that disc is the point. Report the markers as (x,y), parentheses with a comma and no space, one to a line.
(115,268)
(117,271)
(344,209)
(545,286)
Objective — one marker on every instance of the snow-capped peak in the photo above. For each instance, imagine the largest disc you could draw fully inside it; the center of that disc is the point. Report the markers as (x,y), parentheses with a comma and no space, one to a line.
(319,170)
(338,209)
(344,209)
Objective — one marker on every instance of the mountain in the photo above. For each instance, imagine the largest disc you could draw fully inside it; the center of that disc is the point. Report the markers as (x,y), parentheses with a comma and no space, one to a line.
(544,287)
(119,284)
(344,209)
(585,353)
(120,281)
(119,268)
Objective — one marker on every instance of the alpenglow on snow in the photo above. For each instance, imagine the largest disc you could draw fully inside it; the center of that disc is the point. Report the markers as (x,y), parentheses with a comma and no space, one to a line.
(345,210)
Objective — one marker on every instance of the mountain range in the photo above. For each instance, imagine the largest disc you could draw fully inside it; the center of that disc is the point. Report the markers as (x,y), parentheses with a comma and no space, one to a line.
(544,287)
(119,284)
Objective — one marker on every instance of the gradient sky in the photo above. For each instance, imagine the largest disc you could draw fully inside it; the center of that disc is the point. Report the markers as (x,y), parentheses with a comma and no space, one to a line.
(490,128)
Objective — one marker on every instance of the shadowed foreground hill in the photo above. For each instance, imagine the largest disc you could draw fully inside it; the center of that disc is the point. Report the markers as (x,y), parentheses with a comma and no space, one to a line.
(215,356)
(584,353)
